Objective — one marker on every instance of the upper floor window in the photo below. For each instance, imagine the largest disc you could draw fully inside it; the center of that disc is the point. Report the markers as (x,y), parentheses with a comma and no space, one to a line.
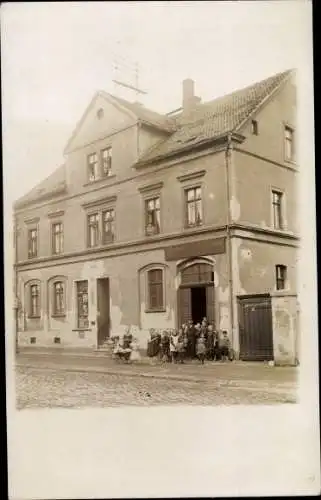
(277,206)
(93,230)
(193,206)
(82,304)
(32,242)
(281,276)
(92,167)
(152,215)
(57,238)
(106,157)
(254,127)
(34,301)
(155,290)
(289,143)
(58,298)
(108,225)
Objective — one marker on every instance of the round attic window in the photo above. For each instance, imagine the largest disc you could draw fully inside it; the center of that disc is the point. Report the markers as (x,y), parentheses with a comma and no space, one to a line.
(100,113)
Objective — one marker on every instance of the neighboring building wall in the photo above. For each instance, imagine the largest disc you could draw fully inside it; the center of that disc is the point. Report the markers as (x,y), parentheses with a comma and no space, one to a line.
(285,328)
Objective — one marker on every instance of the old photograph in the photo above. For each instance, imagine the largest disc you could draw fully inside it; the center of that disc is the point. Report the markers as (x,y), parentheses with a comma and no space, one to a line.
(154,203)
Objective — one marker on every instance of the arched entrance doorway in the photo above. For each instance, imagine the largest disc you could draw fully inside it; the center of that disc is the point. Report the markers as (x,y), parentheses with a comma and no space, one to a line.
(196,293)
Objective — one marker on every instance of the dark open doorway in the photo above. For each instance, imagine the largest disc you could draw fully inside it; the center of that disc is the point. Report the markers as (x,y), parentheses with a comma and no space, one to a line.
(198,303)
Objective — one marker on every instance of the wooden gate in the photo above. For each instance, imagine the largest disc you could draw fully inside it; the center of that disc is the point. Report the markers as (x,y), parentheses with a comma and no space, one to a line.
(255,328)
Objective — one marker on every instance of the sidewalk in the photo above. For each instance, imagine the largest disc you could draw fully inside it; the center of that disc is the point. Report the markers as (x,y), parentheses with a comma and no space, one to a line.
(227,373)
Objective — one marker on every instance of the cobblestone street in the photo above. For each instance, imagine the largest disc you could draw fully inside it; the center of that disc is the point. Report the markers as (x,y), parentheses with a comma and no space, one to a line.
(57,387)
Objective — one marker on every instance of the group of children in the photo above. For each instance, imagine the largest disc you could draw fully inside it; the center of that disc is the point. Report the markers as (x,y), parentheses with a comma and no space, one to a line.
(191,341)
(199,341)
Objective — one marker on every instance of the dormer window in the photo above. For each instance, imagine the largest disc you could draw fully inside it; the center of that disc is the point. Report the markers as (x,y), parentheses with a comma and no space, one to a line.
(92,167)
(254,127)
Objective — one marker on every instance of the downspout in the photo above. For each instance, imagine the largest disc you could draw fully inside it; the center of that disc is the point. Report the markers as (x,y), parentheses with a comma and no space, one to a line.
(137,139)
(16,300)
(228,156)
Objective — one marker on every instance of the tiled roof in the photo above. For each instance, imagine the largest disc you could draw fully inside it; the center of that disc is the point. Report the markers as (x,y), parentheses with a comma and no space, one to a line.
(146,115)
(55,183)
(215,118)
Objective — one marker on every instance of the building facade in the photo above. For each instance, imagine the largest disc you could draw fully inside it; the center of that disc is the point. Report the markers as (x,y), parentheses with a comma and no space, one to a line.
(157,219)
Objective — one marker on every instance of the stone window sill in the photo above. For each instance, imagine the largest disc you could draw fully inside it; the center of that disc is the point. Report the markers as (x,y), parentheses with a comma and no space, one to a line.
(100,180)
(81,330)
(291,161)
(158,310)
(57,315)
(102,245)
(34,317)
(193,226)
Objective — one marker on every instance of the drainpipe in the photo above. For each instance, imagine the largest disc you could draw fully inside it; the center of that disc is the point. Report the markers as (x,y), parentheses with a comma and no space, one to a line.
(16,300)
(228,156)
(138,128)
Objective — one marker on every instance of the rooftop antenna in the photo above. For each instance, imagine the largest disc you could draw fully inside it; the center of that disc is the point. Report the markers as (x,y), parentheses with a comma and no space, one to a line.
(119,65)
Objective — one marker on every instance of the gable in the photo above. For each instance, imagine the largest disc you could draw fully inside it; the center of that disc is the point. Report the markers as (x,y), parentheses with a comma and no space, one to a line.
(103,117)
(271,119)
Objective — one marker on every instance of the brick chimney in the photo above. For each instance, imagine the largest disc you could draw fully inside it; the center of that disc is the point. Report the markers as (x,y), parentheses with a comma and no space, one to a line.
(190,100)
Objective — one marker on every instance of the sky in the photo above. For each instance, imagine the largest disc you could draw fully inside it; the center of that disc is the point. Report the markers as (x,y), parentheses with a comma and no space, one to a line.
(55,56)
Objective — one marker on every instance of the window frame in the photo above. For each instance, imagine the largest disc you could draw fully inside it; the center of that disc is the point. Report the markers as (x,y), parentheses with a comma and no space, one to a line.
(29,231)
(100,207)
(280,194)
(105,241)
(31,314)
(187,189)
(156,230)
(89,165)
(283,278)
(102,151)
(53,234)
(158,308)
(77,316)
(55,312)
(151,192)
(88,227)
(287,127)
